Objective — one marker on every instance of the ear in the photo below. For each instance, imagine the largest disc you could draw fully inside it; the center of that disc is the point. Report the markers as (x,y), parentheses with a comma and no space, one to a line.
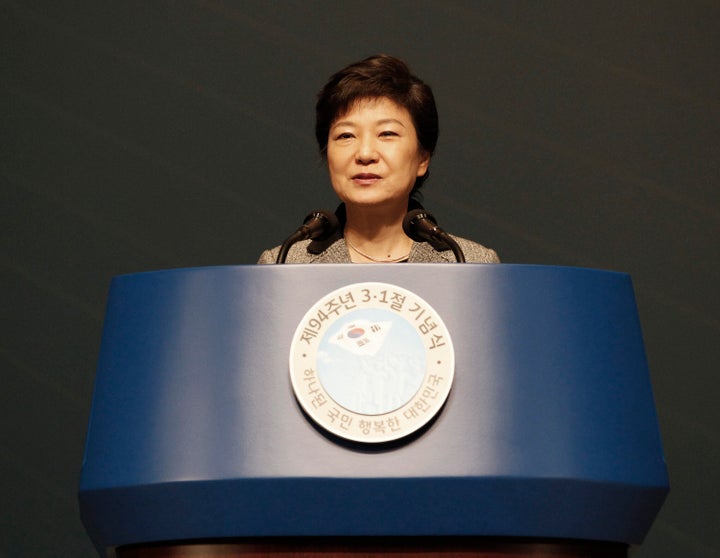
(424,163)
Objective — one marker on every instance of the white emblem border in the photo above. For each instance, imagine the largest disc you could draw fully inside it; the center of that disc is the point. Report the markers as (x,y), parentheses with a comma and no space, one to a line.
(420,409)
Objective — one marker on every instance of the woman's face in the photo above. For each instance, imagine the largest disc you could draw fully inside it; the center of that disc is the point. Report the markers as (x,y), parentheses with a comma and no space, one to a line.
(374,156)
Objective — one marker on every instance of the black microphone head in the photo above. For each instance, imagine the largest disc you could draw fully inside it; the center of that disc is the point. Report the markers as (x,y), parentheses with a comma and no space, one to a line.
(415,223)
(320,224)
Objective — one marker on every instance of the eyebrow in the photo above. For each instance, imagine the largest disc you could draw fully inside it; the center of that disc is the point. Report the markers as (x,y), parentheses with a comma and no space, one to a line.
(378,123)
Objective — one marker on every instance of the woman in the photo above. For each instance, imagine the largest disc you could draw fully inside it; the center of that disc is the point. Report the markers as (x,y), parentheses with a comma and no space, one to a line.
(377,127)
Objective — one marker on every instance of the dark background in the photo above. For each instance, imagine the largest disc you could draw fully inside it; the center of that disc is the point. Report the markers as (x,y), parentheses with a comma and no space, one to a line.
(148,135)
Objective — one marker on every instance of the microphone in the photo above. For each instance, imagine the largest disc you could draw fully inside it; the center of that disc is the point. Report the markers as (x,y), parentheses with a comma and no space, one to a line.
(420,225)
(318,225)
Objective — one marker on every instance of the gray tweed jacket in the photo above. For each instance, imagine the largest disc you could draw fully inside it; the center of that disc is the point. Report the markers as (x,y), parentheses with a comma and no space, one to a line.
(421,252)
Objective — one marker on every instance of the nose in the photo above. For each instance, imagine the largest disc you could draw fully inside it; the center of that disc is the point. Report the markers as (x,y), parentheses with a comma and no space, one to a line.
(366,152)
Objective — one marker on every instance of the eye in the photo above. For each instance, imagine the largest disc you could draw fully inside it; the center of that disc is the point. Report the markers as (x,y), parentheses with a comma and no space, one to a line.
(343,136)
(388,133)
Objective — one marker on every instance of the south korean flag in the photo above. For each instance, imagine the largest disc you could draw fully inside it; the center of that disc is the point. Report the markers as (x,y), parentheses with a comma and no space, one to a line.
(362,337)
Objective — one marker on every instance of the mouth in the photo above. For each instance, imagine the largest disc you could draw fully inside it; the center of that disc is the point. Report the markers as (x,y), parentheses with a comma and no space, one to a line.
(365,178)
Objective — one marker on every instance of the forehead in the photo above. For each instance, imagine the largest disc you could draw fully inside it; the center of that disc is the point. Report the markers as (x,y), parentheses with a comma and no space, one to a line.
(373,109)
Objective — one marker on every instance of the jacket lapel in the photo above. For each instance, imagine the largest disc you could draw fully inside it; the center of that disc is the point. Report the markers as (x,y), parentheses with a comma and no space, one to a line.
(423,252)
(337,252)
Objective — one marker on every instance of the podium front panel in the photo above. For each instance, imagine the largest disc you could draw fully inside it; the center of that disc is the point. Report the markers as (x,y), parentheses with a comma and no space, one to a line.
(549,431)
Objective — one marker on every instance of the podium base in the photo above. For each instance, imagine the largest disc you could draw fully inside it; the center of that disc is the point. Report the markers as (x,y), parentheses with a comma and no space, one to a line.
(372,547)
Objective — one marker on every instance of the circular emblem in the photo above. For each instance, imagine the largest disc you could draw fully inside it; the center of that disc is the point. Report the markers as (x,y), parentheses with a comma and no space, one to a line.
(371,362)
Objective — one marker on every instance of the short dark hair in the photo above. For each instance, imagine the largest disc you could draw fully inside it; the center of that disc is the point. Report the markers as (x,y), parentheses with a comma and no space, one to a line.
(378,76)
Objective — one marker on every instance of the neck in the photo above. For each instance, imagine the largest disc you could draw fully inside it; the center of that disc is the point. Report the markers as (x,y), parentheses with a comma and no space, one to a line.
(374,235)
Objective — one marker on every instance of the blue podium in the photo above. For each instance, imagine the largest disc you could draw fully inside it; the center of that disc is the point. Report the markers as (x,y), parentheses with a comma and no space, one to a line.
(549,431)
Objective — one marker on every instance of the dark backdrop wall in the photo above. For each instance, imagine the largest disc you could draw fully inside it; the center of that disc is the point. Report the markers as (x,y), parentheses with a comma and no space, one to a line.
(145,135)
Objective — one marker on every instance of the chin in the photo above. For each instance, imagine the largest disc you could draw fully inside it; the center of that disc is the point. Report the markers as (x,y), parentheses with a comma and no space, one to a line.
(378,204)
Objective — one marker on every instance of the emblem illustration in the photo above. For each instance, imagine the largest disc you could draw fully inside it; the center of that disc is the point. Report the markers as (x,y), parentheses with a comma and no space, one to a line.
(371,362)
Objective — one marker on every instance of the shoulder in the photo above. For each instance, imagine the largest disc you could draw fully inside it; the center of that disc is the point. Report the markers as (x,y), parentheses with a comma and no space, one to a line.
(425,252)
(269,256)
(297,254)
(476,253)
